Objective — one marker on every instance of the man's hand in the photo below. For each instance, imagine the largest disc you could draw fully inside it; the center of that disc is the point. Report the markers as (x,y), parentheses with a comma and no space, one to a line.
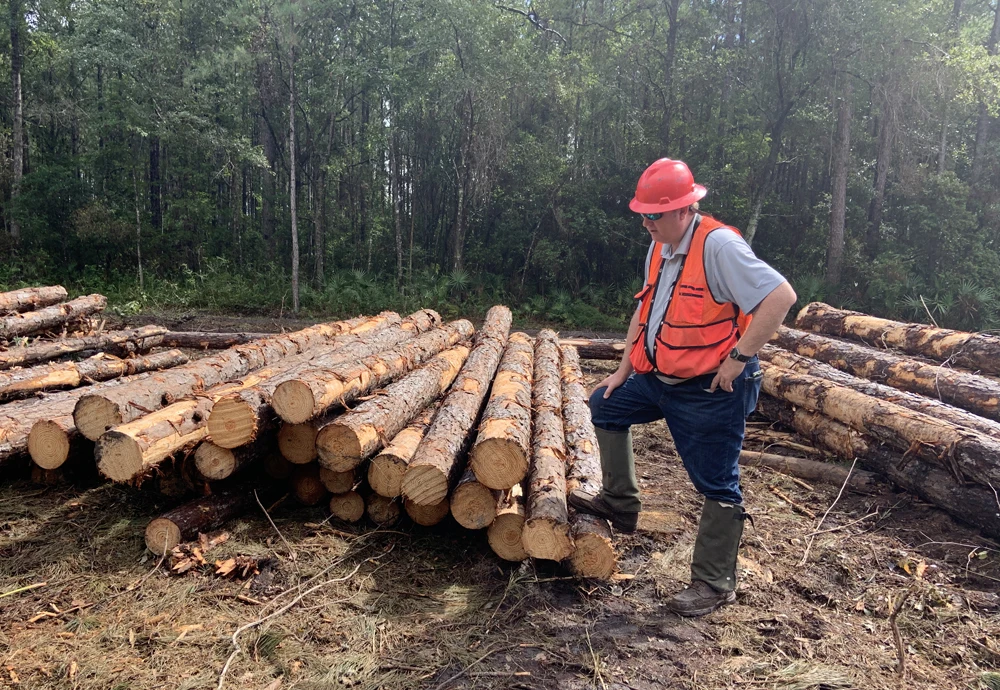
(727,373)
(613,381)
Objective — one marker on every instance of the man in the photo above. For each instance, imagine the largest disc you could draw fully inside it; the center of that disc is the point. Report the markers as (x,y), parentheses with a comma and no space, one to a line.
(707,307)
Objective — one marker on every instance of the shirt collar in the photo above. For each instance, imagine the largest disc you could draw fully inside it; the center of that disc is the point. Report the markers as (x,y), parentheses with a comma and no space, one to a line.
(685,244)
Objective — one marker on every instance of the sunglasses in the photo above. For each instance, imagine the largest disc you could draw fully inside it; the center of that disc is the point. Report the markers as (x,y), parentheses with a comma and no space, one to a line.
(651,216)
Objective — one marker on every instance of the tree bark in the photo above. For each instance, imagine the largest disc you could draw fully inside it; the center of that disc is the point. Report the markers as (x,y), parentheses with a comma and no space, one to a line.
(20,383)
(201,515)
(55,317)
(967,455)
(859,481)
(203,340)
(292,190)
(838,191)
(592,348)
(358,434)
(546,528)
(439,460)
(504,534)
(386,470)
(976,394)
(119,343)
(975,351)
(972,504)
(502,448)
(17,99)
(29,299)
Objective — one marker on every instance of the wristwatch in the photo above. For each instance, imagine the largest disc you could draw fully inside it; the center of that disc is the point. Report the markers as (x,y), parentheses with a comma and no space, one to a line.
(738,356)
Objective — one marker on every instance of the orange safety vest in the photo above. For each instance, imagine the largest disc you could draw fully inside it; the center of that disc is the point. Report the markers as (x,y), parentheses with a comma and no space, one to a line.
(697,332)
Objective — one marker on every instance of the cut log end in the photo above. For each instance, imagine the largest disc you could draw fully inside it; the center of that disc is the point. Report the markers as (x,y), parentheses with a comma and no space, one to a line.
(499,463)
(94,415)
(473,505)
(593,553)
(383,511)
(504,536)
(294,402)
(162,535)
(547,539)
(214,462)
(48,444)
(385,475)
(119,457)
(232,423)
(336,482)
(425,485)
(340,447)
(349,506)
(426,515)
(306,485)
(297,443)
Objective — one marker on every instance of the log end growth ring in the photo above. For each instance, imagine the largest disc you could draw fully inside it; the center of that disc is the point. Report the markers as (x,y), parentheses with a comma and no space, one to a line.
(162,535)
(340,446)
(119,457)
(473,506)
(349,506)
(547,539)
(385,475)
(94,415)
(232,423)
(213,461)
(499,463)
(297,443)
(426,516)
(425,485)
(293,401)
(48,444)
(593,556)
(504,536)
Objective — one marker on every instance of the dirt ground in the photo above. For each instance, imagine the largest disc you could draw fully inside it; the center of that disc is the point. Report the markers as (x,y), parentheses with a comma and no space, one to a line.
(343,607)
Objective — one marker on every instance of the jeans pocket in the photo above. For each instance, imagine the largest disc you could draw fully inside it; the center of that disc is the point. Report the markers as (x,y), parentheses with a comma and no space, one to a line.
(752,376)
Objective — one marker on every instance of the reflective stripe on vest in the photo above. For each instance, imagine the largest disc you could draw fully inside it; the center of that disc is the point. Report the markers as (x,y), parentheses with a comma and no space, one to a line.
(697,333)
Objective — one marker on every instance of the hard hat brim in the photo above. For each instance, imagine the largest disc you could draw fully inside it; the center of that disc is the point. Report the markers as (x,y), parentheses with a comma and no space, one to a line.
(662,207)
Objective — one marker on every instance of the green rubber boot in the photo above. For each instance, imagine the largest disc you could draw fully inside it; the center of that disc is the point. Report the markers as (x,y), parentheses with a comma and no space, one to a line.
(713,567)
(619,501)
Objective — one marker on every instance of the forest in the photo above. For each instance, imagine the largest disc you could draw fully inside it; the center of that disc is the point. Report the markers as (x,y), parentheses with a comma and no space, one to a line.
(349,155)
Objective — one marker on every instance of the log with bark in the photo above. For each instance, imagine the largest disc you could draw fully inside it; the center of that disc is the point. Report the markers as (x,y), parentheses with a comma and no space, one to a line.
(935,408)
(426,515)
(382,510)
(977,394)
(386,470)
(348,506)
(314,391)
(215,462)
(975,351)
(57,317)
(440,457)
(966,454)
(597,348)
(207,340)
(504,533)
(859,481)
(473,505)
(546,528)
(502,449)
(29,299)
(200,515)
(94,414)
(360,433)
(975,505)
(237,419)
(119,343)
(307,485)
(20,383)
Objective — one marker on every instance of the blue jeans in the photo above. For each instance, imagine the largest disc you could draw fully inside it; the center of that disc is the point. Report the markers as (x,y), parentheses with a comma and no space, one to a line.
(707,427)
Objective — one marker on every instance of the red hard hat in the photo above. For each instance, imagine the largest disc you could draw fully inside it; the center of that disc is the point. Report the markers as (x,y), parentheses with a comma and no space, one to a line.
(666,185)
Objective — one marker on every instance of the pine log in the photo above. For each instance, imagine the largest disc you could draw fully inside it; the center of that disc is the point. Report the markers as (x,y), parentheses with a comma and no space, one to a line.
(28,299)
(277,467)
(919,403)
(313,392)
(95,414)
(502,449)
(858,481)
(52,441)
(440,457)
(583,455)
(382,510)
(546,529)
(975,351)
(297,442)
(50,318)
(178,479)
(593,553)
(215,462)
(120,343)
(386,470)
(969,503)
(337,482)
(360,433)
(347,374)
(307,486)
(207,340)
(348,506)
(977,394)
(426,515)
(504,534)
(473,505)
(593,348)
(20,383)
(130,451)
(201,515)
(965,453)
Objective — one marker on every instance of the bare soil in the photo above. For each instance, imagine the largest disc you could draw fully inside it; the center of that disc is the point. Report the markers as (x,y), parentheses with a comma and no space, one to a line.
(434,608)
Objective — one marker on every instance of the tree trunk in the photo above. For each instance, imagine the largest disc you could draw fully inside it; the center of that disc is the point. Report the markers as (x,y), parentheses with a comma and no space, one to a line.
(155,207)
(20,383)
(205,340)
(859,481)
(984,120)
(975,351)
(29,299)
(967,455)
(502,449)
(504,534)
(59,316)
(439,460)
(977,394)
(886,137)
(292,189)
(17,99)
(386,470)
(358,434)
(546,529)
(201,515)
(972,504)
(838,204)
(912,401)
(591,348)
(120,343)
